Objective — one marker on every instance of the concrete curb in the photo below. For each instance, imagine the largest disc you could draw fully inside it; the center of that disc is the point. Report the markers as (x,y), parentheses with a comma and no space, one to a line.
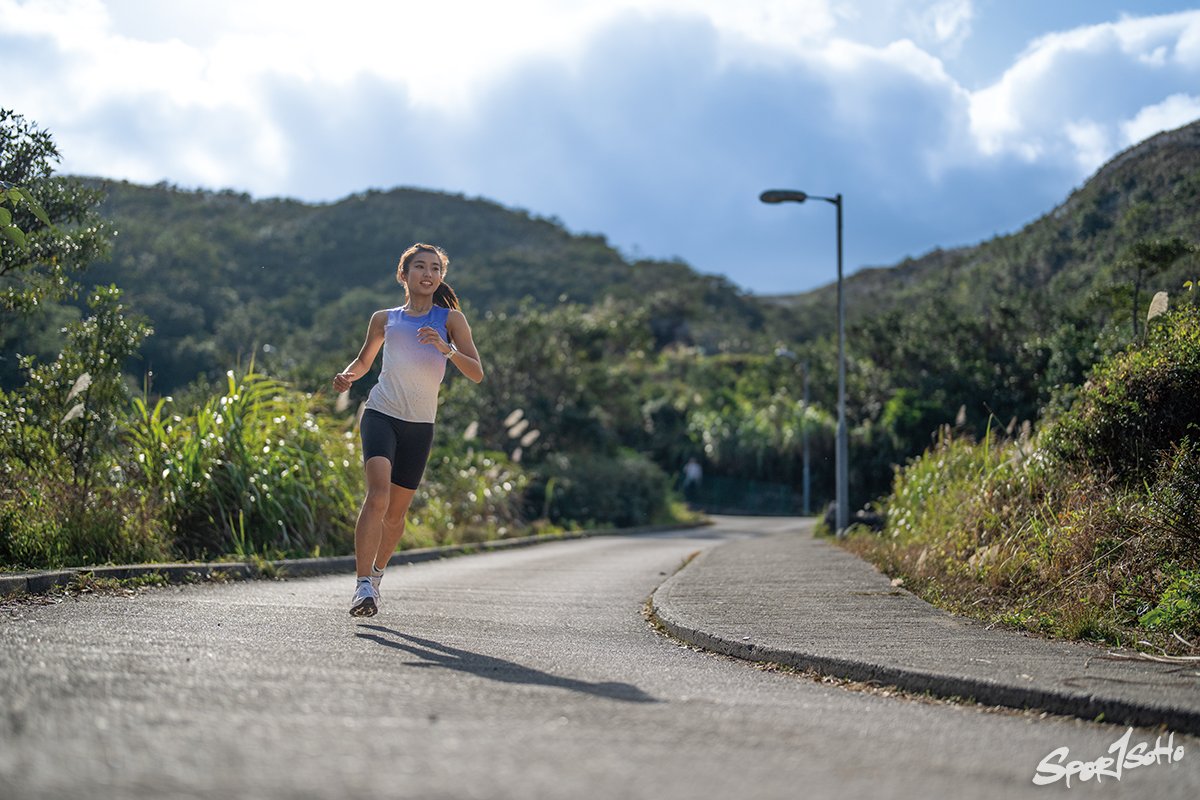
(1081,704)
(42,581)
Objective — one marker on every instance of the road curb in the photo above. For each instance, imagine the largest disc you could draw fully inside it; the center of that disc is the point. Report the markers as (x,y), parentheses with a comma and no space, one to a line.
(42,581)
(1080,704)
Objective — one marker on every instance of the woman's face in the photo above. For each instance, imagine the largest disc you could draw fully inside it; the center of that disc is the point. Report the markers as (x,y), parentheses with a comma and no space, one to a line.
(424,273)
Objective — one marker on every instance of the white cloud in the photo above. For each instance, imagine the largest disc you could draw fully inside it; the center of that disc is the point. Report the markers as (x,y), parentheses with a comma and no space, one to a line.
(945,25)
(443,51)
(1048,104)
(1091,143)
(1174,112)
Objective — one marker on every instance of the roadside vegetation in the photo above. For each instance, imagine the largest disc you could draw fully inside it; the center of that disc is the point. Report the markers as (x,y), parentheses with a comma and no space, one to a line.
(1089,529)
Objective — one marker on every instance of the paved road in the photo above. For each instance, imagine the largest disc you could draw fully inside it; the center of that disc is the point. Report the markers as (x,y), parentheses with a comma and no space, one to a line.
(520,674)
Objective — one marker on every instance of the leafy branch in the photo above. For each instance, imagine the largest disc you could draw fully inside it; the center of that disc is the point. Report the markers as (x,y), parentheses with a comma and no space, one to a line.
(14,196)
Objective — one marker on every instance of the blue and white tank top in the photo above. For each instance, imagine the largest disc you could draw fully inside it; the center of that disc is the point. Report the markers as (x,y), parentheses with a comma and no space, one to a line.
(412,372)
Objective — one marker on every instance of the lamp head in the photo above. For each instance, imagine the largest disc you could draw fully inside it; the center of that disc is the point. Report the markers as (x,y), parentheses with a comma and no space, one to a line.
(782,196)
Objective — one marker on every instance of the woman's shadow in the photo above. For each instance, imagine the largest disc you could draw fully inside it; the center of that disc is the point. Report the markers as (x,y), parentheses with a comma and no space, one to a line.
(497,669)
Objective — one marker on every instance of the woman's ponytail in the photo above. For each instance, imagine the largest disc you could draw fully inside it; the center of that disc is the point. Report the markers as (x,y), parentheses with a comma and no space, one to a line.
(445,297)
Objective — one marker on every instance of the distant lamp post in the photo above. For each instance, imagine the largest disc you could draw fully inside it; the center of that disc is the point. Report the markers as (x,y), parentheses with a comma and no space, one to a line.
(842,458)
(783,352)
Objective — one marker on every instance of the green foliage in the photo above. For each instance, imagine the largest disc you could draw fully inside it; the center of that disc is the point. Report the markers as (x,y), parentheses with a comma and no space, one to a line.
(744,417)
(941,490)
(1174,502)
(466,496)
(49,223)
(1088,531)
(1179,608)
(558,379)
(1147,259)
(14,197)
(622,490)
(759,436)
(72,406)
(563,398)
(57,435)
(1136,406)
(257,468)
(47,521)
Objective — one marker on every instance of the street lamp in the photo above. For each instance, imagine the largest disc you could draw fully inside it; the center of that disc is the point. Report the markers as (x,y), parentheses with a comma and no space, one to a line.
(842,459)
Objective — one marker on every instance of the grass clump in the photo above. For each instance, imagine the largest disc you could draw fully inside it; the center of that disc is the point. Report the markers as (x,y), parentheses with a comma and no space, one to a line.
(257,470)
(1088,530)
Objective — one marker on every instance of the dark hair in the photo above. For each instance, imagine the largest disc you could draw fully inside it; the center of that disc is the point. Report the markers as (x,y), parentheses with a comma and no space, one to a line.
(444,296)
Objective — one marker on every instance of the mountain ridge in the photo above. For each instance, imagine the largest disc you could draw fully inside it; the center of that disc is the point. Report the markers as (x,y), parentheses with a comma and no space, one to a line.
(1148,190)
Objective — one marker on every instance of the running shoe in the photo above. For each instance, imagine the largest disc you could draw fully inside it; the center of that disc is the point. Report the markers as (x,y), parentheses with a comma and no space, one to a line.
(366,600)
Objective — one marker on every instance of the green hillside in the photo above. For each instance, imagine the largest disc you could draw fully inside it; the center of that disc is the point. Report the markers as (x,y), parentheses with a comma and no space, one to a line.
(1151,190)
(221,275)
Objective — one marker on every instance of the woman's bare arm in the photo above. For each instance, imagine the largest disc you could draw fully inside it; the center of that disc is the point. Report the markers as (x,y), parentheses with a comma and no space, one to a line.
(361,365)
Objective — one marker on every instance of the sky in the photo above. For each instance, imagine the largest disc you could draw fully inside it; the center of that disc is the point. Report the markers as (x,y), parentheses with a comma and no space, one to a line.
(654,123)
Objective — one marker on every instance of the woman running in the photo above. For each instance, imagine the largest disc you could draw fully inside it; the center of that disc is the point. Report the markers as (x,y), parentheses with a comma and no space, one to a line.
(418,338)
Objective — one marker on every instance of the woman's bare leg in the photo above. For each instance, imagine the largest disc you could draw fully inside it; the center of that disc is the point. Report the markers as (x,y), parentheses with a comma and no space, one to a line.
(369,530)
(393,523)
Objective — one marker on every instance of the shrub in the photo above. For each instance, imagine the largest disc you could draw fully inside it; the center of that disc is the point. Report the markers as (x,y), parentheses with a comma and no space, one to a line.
(999,531)
(1174,500)
(46,522)
(624,490)
(466,497)
(1137,405)
(58,505)
(1179,608)
(28,525)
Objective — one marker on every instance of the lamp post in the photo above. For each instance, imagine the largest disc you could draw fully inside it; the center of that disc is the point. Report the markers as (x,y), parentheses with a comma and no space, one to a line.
(841,463)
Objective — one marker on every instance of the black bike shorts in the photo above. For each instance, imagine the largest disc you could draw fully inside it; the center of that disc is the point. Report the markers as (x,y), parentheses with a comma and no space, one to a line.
(405,444)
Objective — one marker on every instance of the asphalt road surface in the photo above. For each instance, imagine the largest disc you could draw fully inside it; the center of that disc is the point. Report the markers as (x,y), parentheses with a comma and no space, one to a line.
(527,673)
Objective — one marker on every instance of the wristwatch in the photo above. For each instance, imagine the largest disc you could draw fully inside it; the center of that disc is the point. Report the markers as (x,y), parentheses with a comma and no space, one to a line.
(450,353)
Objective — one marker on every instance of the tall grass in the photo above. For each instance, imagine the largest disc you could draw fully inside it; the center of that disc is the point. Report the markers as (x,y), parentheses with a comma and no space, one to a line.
(259,468)
(992,529)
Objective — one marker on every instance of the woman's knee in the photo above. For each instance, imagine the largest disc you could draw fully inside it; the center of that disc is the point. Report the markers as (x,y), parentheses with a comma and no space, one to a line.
(376,502)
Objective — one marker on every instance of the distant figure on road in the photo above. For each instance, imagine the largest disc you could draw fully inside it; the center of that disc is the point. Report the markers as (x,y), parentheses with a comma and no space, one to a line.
(693,474)
(417,339)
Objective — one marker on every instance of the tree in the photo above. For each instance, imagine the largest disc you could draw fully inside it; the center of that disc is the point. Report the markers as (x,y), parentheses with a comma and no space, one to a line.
(1148,258)
(77,399)
(58,231)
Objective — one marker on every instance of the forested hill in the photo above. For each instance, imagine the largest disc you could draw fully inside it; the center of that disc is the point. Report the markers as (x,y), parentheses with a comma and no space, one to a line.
(1067,257)
(221,275)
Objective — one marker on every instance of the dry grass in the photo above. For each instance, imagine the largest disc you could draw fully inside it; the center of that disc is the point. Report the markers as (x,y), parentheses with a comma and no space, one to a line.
(994,531)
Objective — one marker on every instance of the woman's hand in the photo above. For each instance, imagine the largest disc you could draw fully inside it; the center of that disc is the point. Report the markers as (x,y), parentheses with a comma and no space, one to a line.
(342,381)
(429,335)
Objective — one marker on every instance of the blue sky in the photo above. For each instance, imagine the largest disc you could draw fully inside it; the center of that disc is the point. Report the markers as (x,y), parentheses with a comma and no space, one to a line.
(656,123)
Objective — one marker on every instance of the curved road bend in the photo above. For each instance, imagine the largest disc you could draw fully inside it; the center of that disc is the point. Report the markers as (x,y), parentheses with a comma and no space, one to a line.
(528,673)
